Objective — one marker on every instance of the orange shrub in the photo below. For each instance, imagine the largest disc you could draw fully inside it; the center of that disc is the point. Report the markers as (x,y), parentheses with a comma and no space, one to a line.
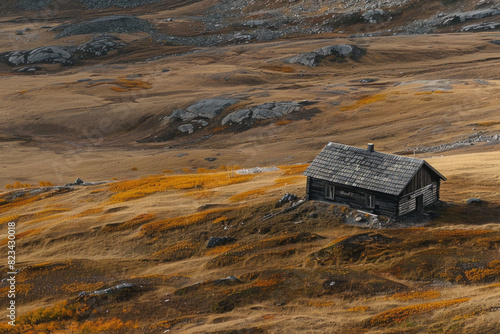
(284,122)
(45,184)
(178,251)
(364,101)
(358,309)
(18,185)
(100,325)
(399,314)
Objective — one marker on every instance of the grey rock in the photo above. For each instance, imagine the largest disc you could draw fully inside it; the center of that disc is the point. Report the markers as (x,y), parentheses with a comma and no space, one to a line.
(340,51)
(78,181)
(209,108)
(237,116)
(376,15)
(189,128)
(304,58)
(219,241)
(474,201)
(210,159)
(262,111)
(180,155)
(467,16)
(19,32)
(32,5)
(481,26)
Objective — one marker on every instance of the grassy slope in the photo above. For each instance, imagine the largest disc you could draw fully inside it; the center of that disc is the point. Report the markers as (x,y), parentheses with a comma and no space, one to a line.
(91,238)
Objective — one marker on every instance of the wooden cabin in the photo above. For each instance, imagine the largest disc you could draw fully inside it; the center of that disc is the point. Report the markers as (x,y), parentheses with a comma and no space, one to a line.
(372,181)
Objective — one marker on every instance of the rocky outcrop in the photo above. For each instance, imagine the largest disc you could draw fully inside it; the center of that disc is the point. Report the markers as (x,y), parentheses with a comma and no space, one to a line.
(64,54)
(262,111)
(105,25)
(101,45)
(45,54)
(208,109)
(99,4)
(376,15)
(481,27)
(458,18)
(340,53)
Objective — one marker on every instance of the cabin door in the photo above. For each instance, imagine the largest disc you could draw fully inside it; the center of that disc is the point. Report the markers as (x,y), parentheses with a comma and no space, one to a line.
(420,203)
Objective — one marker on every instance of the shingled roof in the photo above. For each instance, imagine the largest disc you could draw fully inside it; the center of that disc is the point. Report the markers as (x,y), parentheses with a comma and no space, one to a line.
(357,167)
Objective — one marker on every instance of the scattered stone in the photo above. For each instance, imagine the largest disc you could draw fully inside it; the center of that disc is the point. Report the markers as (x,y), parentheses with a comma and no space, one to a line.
(474,201)
(180,155)
(165,70)
(31,69)
(133,76)
(210,159)
(189,128)
(100,4)
(367,80)
(219,241)
(19,32)
(78,181)
(256,170)
(113,290)
(340,52)
(287,198)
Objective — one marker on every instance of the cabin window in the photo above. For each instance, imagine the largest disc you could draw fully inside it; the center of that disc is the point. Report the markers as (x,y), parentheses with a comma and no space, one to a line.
(329,191)
(370,201)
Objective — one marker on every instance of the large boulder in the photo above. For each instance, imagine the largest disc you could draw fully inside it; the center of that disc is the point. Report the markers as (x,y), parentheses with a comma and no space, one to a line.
(376,15)
(45,54)
(340,52)
(208,109)
(261,111)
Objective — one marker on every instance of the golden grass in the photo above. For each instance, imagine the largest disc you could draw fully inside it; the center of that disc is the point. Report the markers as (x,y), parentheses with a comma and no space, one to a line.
(461,233)
(80,286)
(8,219)
(107,326)
(248,194)
(178,251)
(127,190)
(21,235)
(488,123)
(361,309)
(199,194)
(278,68)
(45,184)
(183,221)
(397,315)
(294,169)
(19,202)
(364,101)
(283,181)
(405,296)
(89,212)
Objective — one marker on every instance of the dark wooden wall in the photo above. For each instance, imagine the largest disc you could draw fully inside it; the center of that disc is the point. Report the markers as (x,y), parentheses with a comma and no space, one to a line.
(354,197)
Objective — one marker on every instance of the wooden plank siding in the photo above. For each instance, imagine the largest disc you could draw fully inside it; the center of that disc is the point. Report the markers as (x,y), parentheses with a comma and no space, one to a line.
(422,178)
(408,202)
(353,197)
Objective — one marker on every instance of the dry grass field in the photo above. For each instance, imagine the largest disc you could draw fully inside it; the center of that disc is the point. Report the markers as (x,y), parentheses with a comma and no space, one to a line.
(143,234)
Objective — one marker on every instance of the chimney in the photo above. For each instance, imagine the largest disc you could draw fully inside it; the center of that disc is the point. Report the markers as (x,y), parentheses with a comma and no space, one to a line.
(371,148)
